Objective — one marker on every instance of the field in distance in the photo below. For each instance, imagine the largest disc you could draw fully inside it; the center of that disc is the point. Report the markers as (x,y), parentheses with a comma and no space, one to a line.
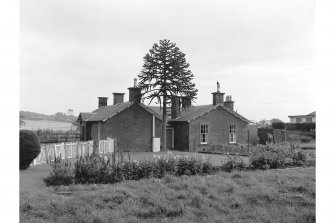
(46,124)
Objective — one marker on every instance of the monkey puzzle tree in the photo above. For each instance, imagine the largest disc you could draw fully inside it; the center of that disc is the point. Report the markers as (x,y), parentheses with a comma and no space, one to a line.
(165,74)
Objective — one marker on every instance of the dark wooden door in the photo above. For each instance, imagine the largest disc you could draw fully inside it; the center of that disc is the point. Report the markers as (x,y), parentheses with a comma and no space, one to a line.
(169,138)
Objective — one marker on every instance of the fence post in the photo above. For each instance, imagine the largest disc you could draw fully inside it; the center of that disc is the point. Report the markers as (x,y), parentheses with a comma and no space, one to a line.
(115,151)
(96,147)
(77,149)
(248,141)
(54,149)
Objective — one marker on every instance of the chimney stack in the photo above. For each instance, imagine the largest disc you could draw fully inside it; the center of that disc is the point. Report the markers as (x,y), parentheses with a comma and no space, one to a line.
(175,107)
(217,96)
(186,103)
(102,101)
(229,103)
(135,93)
(118,98)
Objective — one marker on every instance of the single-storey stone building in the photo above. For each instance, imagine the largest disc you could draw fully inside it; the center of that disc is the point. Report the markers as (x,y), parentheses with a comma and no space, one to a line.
(138,127)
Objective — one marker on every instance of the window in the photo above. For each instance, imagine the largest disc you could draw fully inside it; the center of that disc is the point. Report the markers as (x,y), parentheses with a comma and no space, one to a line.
(203,134)
(298,119)
(232,134)
(308,119)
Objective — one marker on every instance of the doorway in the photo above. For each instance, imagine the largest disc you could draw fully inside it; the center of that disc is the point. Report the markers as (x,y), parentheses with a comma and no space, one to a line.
(169,138)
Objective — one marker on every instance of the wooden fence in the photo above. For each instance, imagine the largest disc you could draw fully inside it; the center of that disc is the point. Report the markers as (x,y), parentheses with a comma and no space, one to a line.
(72,150)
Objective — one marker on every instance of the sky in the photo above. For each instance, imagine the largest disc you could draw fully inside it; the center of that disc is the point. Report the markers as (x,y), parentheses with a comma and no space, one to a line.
(262,52)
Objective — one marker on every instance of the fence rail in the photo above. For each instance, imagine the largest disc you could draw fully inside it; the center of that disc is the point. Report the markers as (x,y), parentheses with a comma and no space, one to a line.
(72,150)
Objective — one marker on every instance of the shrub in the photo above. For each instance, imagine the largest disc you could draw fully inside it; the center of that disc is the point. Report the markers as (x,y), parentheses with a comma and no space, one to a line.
(30,148)
(234,162)
(164,165)
(278,125)
(189,166)
(207,166)
(91,169)
(299,159)
(268,157)
(97,169)
(61,174)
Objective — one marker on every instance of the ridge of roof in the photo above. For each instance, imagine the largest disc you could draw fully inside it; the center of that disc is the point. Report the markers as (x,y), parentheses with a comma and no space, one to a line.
(105,112)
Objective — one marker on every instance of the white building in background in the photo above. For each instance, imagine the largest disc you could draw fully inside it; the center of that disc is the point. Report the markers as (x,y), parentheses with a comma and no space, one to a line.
(310,118)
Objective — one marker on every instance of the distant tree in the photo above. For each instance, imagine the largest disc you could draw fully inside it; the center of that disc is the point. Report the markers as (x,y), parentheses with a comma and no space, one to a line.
(263,123)
(276,120)
(165,74)
(277,123)
(59,116)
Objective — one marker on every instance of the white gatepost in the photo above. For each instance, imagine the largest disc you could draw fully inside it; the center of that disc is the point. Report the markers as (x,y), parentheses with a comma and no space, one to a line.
(110,145)
(156,142)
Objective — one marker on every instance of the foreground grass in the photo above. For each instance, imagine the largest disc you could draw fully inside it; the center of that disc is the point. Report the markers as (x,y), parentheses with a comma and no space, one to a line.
(286,195)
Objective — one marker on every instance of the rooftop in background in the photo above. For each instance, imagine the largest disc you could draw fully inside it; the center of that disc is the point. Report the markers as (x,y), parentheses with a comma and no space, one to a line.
(310,114)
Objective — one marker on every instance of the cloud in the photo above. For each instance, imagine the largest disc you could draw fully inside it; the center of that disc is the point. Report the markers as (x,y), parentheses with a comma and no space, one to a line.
(94,48)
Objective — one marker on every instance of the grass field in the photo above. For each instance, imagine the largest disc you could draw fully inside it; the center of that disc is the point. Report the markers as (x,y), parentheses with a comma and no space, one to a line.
(45,124)
(286,195)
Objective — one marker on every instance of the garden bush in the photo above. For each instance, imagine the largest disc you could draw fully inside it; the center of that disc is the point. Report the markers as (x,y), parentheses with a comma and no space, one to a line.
(30,148)
(267,157)
(299,159)
(91,169)
(234,162)
(98,169)
(61,174)
(278,156)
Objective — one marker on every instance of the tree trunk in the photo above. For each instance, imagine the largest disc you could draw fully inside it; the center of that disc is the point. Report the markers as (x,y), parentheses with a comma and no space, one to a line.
(164,125)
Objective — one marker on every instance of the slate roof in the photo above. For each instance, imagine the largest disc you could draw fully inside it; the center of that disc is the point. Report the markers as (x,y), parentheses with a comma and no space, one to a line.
(105,112)
(313,113)
(197,111)
(310,114)
(84,116)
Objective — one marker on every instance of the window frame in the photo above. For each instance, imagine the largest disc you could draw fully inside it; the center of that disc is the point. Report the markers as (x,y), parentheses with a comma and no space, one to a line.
(298,120)
(232,135)
(205,134)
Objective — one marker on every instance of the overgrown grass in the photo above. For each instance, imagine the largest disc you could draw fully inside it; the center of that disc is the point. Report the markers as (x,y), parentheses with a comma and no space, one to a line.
(286,195)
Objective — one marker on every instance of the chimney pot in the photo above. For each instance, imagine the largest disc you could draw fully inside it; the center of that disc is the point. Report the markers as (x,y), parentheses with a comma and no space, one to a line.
(229,103)
(217,98)
(118,98)
(102,101)
(135,93)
